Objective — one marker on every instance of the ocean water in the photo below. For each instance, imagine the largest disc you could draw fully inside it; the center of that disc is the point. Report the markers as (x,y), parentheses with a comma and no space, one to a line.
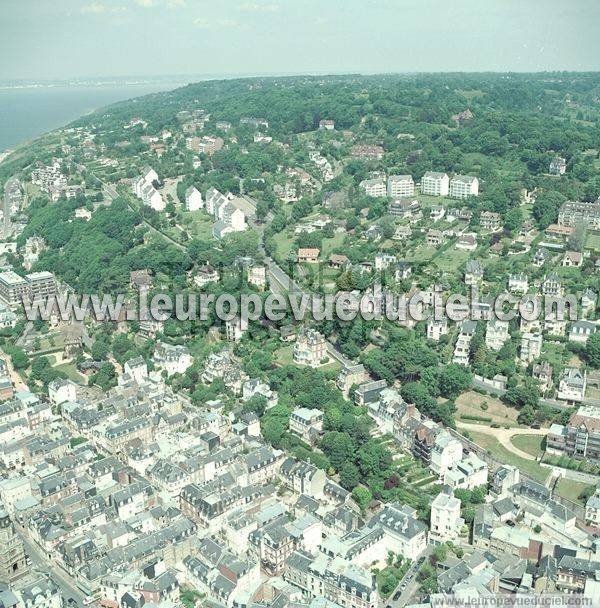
(28,112)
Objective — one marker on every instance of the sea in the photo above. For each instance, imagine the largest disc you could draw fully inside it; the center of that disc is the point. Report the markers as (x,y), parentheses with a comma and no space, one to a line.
(27,112)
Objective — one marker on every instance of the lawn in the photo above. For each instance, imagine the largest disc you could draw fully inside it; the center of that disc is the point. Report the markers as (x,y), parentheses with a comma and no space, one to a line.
(593,242)
(423,253)
(497,450)
(284,355)
(451,259)
(470,403)
(330,244)
(532,444)
(197,224)
(284,244)
(571,489)
(71,372)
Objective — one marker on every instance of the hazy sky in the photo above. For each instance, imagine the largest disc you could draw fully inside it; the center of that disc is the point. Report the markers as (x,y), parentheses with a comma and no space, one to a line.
(70,38)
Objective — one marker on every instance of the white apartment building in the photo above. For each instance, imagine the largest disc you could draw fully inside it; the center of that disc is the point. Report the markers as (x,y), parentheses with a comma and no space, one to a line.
(471,472)
(531,347)
(463,186)
(496,334)
(445,522)
(572,385)
(193,199)
(400,186)
(445,453)
(435,184)
(375,188)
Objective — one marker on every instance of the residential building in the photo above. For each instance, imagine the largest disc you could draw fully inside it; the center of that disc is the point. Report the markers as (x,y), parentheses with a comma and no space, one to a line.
(435,184)
(542,372)
(496,334)
(307,423)
(582,330)
(473,272)
(42,285)
(436,328)
(531,347)
(327,125)
(173,359)
(490,220)
(592,509)
(462,348)
(446,452)
(471,472)
(580,437)
(445,521)
(400,186)
(434,238)
(61,390)
(573,213)
(310,349)
(551,286)
(463,186)
(375,188)
(572,386)
(193,199)
(518,283)
(558,165)
(572,259)
(13,288)
(588,302)
(351,375)
(308,255)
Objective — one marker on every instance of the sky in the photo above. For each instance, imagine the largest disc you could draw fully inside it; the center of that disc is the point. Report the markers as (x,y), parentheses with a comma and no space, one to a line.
(62,39)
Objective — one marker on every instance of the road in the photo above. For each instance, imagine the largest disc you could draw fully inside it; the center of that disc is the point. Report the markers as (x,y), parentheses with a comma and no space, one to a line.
(6,208)
(40,563)
(409,581)
(15,377)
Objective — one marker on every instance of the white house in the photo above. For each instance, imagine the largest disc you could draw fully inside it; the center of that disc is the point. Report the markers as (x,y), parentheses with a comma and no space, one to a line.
(61,390)
(572,385)
(471,472)
(446,452)
(193,199)
(136,369)
(173,359)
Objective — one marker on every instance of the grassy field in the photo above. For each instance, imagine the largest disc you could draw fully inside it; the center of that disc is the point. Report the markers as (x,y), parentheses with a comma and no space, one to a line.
(284,355)
(571,489)
(470,403)
(71,371)
(451,259)
(197,224)
(422,253)
(532,444)
(593,242)
(285,245)
(500,452)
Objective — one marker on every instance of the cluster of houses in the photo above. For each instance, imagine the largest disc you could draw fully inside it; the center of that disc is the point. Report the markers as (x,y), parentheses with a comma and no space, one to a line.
(432,183)
(230,213)
(145,188)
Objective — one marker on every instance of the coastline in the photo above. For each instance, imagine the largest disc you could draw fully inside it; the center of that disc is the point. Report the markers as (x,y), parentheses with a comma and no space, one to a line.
(5,154)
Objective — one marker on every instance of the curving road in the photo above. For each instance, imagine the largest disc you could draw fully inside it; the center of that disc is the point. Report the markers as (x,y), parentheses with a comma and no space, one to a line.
(504,436)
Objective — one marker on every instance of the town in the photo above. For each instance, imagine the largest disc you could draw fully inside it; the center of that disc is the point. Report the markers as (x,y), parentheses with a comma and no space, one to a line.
(321,463)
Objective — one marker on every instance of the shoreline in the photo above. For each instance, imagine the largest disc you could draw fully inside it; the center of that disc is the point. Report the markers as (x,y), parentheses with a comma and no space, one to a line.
(5,154)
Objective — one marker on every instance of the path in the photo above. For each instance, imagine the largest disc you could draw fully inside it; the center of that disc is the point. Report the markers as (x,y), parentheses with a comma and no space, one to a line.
(504,436)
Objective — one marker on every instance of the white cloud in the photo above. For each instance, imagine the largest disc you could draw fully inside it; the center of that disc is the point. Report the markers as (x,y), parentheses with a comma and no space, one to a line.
(166,3)
(259,7)
(215,24)
(97,8)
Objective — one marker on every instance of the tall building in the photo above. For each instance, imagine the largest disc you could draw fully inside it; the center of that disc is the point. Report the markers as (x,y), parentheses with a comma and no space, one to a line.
(463,186)
(13,563)
(13,288)
(41,285)
(435,184)
(400,185)
(446,521)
